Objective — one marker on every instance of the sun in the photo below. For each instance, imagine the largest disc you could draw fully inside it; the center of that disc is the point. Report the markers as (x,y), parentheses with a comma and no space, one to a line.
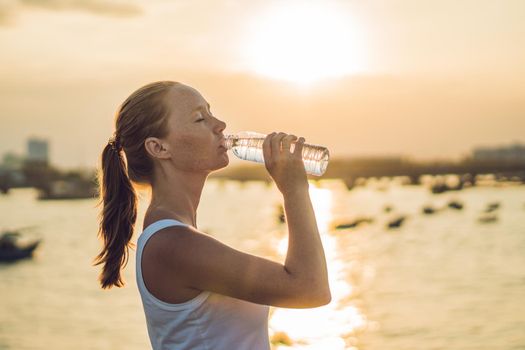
(303,42)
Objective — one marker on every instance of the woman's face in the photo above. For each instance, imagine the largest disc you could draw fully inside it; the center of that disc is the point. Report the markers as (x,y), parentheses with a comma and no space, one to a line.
(195,137)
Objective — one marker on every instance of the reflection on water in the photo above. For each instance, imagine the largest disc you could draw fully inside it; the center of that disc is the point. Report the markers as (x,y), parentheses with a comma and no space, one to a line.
(445,280)
(328,326)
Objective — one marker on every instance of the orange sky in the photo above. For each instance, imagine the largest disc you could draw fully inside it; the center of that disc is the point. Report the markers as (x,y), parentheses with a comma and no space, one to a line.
(423,79)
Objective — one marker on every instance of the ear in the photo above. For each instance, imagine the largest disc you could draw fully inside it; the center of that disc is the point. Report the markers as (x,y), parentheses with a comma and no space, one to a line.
(156,148)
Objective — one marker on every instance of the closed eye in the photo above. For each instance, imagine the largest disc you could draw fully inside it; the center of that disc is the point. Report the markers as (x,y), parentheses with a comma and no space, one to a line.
(200,120)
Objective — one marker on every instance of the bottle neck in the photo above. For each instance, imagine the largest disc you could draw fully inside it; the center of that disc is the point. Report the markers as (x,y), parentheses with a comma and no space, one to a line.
(231,139)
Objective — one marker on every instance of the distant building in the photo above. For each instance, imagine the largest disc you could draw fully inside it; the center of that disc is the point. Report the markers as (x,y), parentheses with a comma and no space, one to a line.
(38,151)
(11,174)
(514,152)
(12,161)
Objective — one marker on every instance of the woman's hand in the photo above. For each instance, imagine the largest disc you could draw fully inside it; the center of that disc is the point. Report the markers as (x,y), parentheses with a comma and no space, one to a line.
(286,168)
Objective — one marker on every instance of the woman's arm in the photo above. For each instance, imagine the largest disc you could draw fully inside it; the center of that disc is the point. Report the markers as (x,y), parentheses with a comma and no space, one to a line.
(202,262)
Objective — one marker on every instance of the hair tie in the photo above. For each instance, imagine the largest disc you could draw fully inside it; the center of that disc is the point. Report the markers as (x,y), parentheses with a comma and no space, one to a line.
(115,143)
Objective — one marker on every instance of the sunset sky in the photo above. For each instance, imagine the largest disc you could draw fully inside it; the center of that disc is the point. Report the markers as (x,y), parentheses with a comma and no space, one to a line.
(425,79)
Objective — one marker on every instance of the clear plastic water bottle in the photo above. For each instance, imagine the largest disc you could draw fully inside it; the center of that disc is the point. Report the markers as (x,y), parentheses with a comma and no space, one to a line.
(247,145)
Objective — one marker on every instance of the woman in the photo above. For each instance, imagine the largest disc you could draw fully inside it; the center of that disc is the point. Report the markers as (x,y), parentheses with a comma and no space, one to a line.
(197,292)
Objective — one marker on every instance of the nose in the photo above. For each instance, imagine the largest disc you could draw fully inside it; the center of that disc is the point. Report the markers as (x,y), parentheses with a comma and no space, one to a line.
(220,125)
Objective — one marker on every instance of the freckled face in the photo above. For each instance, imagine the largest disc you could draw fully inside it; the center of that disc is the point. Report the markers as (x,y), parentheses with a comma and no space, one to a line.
(195,135)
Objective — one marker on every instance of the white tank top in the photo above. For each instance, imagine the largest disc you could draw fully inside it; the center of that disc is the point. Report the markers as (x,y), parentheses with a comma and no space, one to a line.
(208,321)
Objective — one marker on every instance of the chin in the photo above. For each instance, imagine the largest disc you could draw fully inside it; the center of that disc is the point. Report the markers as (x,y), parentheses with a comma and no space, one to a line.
(226,161)
(222,164)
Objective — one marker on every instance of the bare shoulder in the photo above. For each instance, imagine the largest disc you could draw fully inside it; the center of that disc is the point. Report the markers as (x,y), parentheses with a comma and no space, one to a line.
(175,242)
(172,243)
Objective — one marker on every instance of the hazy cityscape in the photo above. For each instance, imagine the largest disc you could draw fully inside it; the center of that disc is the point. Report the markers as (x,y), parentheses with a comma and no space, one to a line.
(36,169)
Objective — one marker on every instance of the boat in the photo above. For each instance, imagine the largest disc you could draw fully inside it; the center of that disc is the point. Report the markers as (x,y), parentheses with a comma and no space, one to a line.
(428,210)
(492,207)
(455,205)
(12,250)
(68,189)
(353,223)
(488,218)
(396,222)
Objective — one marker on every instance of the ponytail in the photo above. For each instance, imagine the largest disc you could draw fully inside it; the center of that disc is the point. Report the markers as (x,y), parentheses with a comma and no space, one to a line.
(143,114)
(117,217)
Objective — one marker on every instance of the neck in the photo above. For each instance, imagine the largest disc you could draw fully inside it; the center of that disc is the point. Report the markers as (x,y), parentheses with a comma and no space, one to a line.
(178,193)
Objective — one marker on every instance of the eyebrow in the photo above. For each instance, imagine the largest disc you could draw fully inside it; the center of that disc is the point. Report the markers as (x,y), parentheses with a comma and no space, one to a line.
(201,106)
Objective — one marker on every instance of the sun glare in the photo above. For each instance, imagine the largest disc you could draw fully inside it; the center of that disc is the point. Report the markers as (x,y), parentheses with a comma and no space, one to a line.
(303,42)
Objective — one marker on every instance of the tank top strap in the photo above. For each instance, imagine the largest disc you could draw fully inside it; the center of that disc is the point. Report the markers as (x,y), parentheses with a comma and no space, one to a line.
(159,225)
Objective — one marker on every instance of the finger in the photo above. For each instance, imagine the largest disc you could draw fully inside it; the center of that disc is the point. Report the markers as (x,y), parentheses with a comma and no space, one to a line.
(276,145)
(267,147)
(287,141)
(298,151)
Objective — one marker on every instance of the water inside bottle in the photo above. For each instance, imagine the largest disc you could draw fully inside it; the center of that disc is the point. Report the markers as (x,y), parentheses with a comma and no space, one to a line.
(249,149)
(315,158)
